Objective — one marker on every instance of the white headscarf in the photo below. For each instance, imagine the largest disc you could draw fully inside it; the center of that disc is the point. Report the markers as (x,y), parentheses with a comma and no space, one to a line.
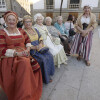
(38,15)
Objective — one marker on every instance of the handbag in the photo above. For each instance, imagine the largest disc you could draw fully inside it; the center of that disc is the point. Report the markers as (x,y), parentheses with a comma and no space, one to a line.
(71,31)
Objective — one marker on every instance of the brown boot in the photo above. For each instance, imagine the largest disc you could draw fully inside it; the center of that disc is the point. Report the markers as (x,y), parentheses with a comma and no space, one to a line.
(79,58)
(87,63)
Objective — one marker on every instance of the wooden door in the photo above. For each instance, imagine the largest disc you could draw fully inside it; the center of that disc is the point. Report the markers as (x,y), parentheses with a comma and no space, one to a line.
(99,15)
(50,15)
(75,14)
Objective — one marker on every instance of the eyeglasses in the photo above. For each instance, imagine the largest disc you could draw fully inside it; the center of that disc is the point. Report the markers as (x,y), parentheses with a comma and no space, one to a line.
(27,21)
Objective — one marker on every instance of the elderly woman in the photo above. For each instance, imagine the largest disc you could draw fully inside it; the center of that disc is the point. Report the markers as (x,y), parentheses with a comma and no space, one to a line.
(83,39)
(44,59)
(56,33)
(56,50)
(20,79)
(60,26)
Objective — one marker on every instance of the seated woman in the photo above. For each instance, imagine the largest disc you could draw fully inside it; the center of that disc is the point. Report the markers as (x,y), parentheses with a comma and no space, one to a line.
(56,33)
(20,79)
(56,50)
(60,26)
(46,59)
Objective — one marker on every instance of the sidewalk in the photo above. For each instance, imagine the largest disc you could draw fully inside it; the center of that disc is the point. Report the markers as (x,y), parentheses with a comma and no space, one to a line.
(75,81)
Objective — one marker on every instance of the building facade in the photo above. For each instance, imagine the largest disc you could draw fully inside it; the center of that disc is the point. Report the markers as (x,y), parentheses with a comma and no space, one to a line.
(21,7)
(75,7)
(49,7)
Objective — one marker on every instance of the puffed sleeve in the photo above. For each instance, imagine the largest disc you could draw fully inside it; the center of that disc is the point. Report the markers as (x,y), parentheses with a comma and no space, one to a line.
(94,22)
(3,45)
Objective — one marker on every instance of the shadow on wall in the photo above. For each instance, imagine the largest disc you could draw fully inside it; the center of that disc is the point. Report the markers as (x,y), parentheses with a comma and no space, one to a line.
(21,11)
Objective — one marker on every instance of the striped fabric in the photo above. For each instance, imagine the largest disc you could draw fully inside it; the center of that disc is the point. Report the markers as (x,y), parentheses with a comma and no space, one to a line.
(15,41)
(82,47)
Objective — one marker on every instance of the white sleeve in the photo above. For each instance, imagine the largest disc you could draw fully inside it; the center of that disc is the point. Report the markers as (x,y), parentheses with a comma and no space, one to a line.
(28,45)
(10,53)
(72,26)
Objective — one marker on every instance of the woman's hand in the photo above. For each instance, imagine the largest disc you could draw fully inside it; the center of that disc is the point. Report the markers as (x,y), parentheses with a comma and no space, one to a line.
(24,53)
(40,46)
(59,33)
(84,32)
(28,49)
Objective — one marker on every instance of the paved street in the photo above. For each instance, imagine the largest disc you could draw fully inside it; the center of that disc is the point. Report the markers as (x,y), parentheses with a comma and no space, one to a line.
(75,81)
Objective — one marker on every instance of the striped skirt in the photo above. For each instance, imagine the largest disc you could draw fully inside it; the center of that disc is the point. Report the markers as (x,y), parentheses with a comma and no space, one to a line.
(82,45)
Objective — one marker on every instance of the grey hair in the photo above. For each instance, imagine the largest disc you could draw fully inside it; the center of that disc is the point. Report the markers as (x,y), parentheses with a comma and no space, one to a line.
(38,15)
(48,18)
(59,17)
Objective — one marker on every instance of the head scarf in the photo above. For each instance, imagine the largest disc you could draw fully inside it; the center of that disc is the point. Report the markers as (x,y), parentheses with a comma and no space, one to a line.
(10,13)
(38,15)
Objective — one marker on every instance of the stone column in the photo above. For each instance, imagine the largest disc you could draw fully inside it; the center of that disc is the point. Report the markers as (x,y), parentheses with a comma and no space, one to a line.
(68,2)
(98,3)
(44,4)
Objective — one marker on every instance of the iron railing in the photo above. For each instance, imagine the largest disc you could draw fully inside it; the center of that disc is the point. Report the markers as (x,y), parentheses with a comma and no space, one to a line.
(49,6)
(74,6)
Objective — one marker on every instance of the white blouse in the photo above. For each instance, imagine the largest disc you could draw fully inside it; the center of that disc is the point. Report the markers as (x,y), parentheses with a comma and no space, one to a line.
(85,20)
(67,25)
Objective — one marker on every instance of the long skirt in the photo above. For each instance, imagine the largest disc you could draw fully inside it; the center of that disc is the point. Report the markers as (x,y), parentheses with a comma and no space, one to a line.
(82,46)
(56,50)
(65,43)
(46,63)
(19,80)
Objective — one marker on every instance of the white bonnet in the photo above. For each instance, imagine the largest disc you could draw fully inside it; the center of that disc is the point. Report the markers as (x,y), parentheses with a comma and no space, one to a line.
(38,15)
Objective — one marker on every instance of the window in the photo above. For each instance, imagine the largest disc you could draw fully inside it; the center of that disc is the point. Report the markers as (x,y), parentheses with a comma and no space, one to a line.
(74,4)
(74,1)
(49,4)
(2,5)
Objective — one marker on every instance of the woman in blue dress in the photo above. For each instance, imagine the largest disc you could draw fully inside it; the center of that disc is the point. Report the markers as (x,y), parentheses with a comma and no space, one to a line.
(44,59)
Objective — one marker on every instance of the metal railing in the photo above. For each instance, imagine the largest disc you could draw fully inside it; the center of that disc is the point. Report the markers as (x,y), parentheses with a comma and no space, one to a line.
(49,6)
(73,6)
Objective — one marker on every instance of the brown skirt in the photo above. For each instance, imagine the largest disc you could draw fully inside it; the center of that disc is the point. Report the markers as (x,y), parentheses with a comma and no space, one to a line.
(18,79)
(64,40)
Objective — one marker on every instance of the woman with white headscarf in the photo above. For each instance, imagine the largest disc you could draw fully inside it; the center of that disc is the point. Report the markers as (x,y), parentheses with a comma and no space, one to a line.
(56,50)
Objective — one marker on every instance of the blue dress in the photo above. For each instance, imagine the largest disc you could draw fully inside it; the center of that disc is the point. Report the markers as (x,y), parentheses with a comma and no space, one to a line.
(45,60)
